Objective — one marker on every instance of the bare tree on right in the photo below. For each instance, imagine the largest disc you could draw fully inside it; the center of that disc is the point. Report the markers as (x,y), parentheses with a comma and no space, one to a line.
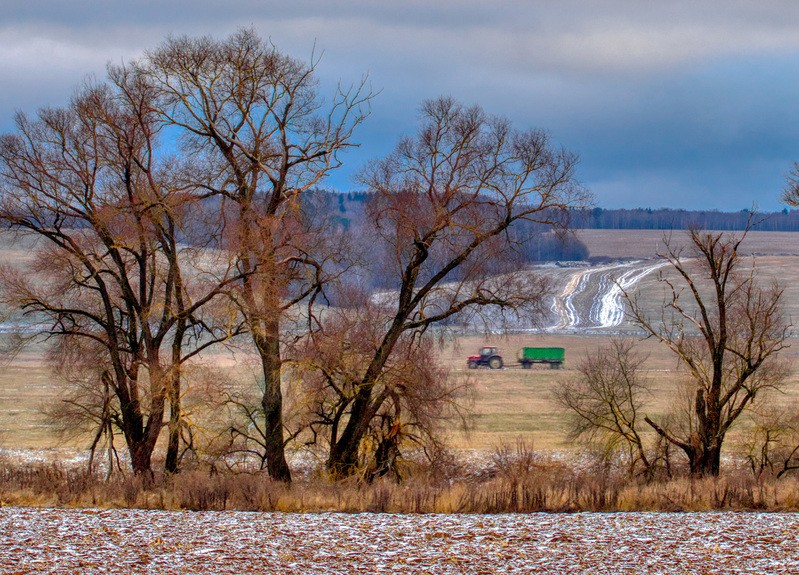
(790,194)
(726,330)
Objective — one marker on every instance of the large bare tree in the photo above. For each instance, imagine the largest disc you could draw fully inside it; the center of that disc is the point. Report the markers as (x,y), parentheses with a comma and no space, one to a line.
(266,137)
(107,282)
(443,203)
(725,329)
(421,401)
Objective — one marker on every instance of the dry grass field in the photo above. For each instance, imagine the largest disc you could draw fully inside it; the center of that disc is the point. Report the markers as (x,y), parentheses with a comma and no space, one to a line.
(507,404)
(27,388)
(513,402)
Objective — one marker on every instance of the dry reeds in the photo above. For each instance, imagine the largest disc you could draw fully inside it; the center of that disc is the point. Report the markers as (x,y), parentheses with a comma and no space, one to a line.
(517,482)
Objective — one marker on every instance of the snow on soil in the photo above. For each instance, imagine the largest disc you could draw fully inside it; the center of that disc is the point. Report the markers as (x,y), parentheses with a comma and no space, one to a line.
(61,541)
(604,294)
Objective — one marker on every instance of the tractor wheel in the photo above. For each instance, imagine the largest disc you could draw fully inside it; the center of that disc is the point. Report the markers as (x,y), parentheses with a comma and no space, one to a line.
(495,362)
(472,365)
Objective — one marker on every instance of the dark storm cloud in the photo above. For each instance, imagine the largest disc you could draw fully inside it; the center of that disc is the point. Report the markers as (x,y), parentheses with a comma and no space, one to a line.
(680,104)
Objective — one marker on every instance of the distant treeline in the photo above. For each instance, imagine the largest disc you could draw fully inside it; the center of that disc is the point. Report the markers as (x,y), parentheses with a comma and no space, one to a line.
(669,219)
(348,205)
(347,210)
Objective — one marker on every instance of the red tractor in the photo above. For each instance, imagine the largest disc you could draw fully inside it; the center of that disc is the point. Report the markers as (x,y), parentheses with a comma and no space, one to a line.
(489,357)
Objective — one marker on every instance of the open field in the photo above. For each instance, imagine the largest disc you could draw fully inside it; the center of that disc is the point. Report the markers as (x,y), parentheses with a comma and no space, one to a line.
(782,269)
(66,541)
(645,244)
(513,402)
(509,403)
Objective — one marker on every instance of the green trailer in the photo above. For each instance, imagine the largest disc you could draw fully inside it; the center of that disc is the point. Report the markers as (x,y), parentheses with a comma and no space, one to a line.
(554,356)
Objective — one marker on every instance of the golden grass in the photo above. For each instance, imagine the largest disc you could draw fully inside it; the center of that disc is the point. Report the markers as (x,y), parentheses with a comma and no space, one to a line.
(508,404)
(526,485)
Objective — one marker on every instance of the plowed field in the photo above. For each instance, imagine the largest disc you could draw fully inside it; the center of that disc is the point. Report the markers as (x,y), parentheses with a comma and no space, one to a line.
(134,541)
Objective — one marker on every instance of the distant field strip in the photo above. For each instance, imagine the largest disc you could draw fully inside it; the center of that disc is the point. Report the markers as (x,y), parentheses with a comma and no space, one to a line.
(598,290)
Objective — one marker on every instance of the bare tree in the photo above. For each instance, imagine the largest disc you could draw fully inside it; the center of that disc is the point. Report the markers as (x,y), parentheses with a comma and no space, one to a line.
(443,203)
(606,400)
(108,284)
(421,399)
(790,194)
(726,330)
(772,444)
(266,137)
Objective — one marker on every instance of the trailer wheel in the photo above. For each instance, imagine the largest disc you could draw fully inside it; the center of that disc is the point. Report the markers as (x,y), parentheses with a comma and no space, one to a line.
(527,365)
(495,362)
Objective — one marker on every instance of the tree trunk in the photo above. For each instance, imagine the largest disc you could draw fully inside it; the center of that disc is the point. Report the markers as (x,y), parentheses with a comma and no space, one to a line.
(704,459)
(171,465)
(343,459)
(175,416)
(272,403)
(141,438)
(709,463)
(141,443)
(141,446)
(132,423)
(140,459)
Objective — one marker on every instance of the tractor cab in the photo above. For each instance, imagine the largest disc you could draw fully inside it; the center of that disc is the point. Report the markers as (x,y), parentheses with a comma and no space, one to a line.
(488,357)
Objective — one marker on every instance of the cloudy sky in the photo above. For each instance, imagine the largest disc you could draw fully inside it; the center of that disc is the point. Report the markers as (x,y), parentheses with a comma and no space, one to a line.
(683,104)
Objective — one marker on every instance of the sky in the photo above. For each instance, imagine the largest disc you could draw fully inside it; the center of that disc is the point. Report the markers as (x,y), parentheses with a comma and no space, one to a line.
(688,104)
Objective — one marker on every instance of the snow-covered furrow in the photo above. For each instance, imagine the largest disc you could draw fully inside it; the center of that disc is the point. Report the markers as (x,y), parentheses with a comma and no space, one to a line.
(611,307)
(563,304)
(605,293)
(604,283)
